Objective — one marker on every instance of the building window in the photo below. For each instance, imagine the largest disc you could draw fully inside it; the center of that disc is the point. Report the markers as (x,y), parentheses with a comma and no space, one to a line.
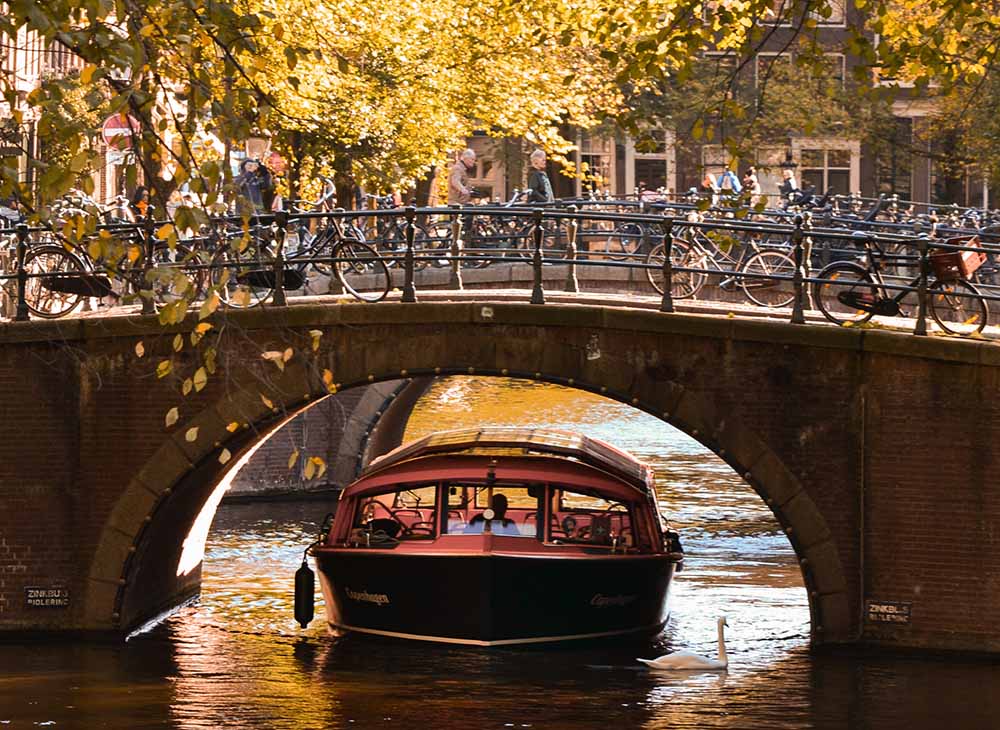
(771,66)
(837,68)
(651,163)
(595,162)
(826,169)
(894,163)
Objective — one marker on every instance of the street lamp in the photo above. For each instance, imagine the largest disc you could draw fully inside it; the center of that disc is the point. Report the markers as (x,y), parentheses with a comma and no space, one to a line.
(788,163)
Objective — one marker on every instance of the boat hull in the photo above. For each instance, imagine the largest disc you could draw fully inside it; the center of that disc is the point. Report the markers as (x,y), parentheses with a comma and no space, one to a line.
(490,599)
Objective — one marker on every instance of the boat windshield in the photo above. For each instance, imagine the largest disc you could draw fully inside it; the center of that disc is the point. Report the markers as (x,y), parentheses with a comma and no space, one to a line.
(568,514)
(582,517)
(406,512)
(515,508)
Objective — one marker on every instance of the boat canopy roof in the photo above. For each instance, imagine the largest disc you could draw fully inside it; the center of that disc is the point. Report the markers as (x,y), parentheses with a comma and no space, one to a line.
(500,441)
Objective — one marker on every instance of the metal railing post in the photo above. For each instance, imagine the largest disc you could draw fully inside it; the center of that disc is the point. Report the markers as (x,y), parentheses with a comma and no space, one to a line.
(807,246)
(572,228)
(667,303)
(537,293)
(21,314)
(409,289)
(279,230)
(925,267)
(334,286)
(798,308)
(149,245)
(455,281)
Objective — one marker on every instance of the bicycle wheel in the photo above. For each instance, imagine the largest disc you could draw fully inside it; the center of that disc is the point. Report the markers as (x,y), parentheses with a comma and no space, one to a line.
(624,241)
(362,272)
(243,279)
(957,307)
(766,292)
(41,292)
(480,242)
(845,287)
(438,243)
(173,276)
(684,284)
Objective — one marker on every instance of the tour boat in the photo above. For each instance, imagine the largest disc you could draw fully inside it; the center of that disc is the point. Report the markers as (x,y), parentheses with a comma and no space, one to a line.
(499,536)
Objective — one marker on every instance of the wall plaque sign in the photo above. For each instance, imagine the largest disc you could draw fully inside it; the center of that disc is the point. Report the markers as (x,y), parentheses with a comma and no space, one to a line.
(36,597)
(887,612)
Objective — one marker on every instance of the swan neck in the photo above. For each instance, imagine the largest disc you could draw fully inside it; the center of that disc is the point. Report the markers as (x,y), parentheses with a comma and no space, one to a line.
(722,644)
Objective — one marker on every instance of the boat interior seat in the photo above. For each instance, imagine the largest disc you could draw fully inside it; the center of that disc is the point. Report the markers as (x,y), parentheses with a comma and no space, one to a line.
(387,525)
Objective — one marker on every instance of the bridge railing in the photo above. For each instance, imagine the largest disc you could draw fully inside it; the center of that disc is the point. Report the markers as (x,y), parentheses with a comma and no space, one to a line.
(671,250)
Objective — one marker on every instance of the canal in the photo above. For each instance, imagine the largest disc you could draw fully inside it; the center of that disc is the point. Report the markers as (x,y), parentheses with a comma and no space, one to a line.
(236,658)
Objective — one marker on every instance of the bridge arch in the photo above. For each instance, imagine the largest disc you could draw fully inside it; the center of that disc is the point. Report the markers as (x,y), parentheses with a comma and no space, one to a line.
(133,572)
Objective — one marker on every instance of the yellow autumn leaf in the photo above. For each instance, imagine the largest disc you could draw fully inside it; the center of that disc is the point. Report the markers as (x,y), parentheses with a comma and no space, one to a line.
(315,334)
(209,306)
(88,73)
(203,327)
(293,458)
(140,349)
(186,386)
(328,381)
(172,415)
(165,230)
(287,355)
(225,456)
(191,435)
(200,379)
(134,252)
(178,343)
(232,426)
(164,369)
(241,298)
(310,469)
(267,401)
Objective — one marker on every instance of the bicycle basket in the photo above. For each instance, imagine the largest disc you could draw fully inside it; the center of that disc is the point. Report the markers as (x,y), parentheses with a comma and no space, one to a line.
(958,264)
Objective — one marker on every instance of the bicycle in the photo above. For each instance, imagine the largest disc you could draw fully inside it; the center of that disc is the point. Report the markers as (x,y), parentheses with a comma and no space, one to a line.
(955,304)
(761,271)
(243,274)
(388,233)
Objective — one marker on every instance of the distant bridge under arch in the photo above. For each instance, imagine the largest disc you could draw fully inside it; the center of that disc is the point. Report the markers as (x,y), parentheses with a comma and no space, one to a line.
(877,452)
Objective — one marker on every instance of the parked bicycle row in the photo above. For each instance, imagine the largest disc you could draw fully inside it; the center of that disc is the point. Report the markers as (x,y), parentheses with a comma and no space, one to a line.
(50,272)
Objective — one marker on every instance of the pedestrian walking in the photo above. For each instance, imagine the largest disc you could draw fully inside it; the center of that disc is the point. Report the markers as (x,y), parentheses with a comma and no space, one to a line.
(788,187)
(539,186)
(459,190)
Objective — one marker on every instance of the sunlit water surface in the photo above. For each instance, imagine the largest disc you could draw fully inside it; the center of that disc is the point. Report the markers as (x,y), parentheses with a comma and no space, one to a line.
(237,658)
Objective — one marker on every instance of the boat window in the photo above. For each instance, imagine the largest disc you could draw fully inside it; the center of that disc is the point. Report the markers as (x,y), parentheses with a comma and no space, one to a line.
(582,517)
(517,497)
(417,497)
(402,513)
(467,502)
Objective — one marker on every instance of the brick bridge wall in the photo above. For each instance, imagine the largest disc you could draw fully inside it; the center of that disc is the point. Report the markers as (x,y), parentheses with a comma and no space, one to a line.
(347,430)
(876,451)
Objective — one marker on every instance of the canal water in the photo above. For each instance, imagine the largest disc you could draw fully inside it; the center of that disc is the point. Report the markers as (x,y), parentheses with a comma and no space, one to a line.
(236,659)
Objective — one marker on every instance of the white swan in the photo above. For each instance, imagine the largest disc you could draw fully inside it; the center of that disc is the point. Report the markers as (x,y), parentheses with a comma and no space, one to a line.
(689,660)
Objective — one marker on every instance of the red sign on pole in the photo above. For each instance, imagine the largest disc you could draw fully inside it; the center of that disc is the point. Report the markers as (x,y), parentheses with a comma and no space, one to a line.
(118,130)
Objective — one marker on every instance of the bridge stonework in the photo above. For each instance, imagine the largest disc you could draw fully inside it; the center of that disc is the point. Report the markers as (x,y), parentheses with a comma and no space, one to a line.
(876,451)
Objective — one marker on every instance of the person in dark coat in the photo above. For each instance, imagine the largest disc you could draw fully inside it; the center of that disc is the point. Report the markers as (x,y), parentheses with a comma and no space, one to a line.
(539,187)
(255,185)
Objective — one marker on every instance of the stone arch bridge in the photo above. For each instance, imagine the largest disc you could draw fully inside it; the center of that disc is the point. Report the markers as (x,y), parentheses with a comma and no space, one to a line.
(876,451)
